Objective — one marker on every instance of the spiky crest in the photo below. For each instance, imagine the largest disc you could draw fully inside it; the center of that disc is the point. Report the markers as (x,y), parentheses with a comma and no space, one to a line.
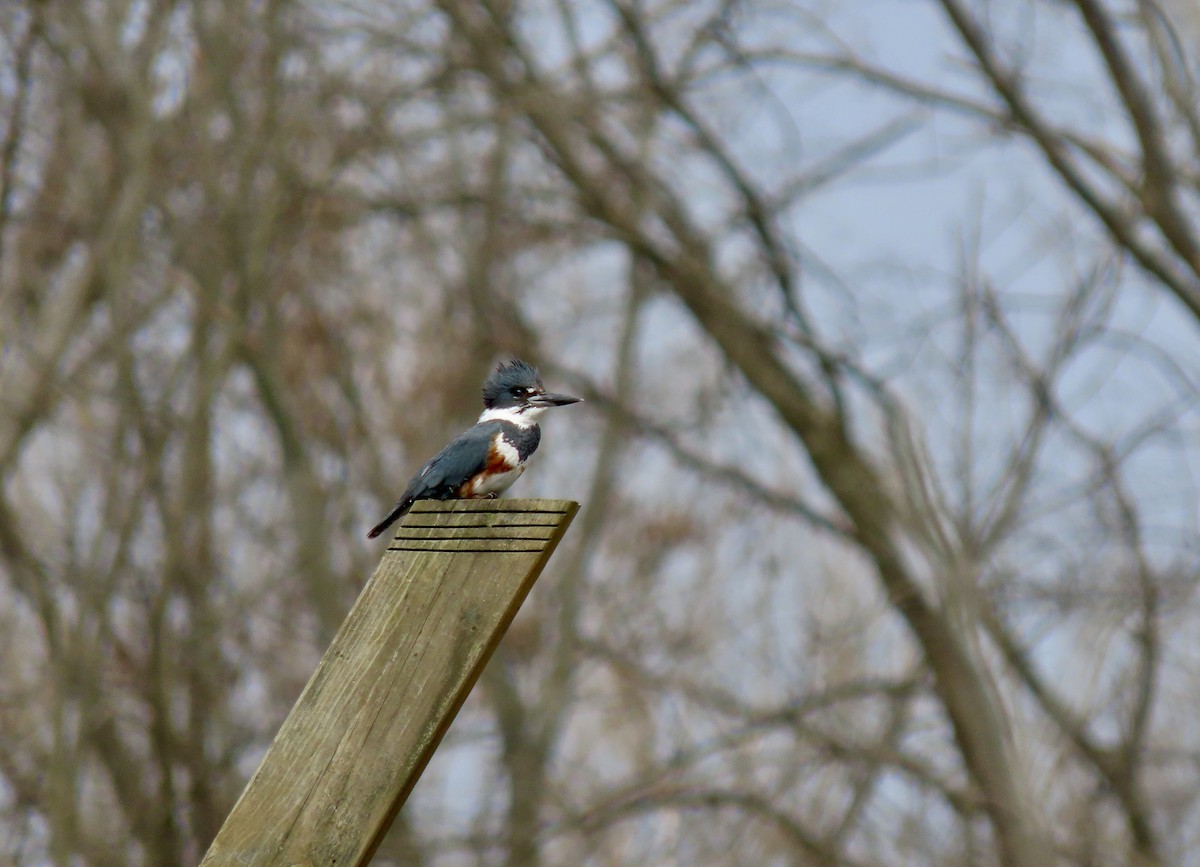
(506,376)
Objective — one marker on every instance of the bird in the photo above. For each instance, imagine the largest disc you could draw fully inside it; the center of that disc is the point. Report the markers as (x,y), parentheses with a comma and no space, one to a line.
(484,460)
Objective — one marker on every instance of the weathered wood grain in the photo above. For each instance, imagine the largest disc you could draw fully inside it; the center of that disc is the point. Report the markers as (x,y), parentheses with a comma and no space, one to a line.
(391,682)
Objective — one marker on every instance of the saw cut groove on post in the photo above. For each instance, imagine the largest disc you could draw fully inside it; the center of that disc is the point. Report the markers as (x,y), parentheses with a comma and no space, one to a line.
(391,682)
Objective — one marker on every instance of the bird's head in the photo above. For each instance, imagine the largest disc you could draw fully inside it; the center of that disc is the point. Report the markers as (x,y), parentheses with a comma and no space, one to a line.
(515,389)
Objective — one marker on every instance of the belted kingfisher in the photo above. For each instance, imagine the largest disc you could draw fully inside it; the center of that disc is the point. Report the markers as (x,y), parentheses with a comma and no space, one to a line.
(484,460)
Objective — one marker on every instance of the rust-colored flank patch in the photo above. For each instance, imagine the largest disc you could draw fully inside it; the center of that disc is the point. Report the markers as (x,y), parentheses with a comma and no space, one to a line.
(496,464)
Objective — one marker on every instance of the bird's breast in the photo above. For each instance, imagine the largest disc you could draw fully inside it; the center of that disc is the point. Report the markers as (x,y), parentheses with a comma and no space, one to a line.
(519,440)
(487,483)
(504,465)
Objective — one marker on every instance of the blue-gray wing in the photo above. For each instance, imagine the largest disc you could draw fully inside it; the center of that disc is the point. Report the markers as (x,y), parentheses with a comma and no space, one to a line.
(446,472)
(453,466)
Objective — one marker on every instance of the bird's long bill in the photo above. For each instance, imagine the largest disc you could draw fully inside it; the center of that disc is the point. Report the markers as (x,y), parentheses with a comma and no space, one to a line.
(550,399)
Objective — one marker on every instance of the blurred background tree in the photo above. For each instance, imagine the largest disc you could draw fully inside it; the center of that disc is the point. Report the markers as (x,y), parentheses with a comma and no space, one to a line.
(887,314)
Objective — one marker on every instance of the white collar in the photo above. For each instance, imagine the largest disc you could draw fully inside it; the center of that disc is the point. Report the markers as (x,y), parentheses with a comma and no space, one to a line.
(521,416)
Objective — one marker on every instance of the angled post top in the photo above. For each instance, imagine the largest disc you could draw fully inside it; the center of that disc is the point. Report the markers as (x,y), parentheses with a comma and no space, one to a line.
(385,692)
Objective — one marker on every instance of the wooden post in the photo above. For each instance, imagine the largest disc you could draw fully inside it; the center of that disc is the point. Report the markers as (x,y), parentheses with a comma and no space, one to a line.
(391,683)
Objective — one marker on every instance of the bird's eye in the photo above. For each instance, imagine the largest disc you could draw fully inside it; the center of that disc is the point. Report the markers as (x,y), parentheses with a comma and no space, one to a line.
(519,391)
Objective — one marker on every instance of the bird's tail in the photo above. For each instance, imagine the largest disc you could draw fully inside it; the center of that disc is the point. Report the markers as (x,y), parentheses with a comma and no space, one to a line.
(393,516)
